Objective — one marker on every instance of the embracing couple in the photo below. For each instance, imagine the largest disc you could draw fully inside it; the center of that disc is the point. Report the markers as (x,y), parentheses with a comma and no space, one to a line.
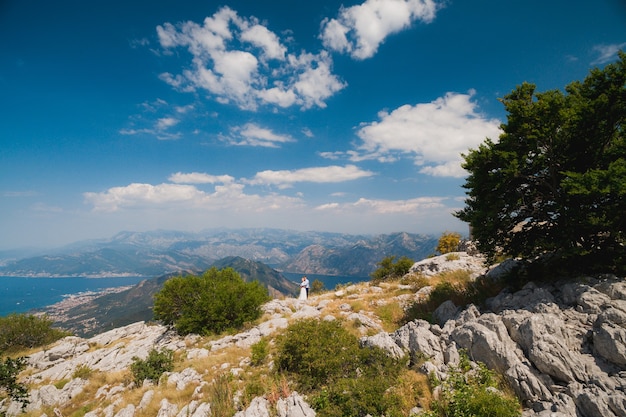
(304,289)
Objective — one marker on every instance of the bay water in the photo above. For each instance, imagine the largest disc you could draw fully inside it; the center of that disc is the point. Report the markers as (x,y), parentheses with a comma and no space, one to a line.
(23,294)
(330,281)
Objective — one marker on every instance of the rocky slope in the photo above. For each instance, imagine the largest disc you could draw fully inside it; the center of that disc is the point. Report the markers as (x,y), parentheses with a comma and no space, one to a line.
(560,347)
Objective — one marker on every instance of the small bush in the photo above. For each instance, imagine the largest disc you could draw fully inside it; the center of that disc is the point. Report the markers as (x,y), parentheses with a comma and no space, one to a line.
(317,286)
(452,257)
(448,242)
(25,331)
(390,269)
(317,352)
(83,372)
(469,392)
(153,366)
(342,379)
(259,353)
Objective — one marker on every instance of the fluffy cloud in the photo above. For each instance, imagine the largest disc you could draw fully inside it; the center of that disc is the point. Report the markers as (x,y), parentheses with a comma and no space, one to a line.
(225,197)
(329,174)
(360,29)
(240,61)
(226,191)
(435,134)
(143,195)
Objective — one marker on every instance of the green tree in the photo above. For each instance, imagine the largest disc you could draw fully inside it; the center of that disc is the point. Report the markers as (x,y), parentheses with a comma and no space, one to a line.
(555,181)
(389,268)
(218,300)
(9,371)
(448,242)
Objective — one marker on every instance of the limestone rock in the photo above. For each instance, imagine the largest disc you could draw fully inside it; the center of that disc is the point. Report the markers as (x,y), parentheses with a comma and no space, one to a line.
(294,406)
(383,341)
(258,408)
(449,262)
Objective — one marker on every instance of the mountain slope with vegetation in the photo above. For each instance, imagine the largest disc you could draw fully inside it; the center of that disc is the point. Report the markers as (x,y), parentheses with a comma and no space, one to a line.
(134,304)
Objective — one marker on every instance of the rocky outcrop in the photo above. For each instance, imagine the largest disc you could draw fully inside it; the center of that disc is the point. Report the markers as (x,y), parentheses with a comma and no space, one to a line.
(561,348)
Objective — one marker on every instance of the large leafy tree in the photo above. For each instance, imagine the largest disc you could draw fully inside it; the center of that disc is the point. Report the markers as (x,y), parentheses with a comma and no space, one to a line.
(555,180)
(218,300)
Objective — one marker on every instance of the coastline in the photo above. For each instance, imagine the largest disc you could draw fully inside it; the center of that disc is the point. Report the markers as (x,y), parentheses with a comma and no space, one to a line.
(58,312)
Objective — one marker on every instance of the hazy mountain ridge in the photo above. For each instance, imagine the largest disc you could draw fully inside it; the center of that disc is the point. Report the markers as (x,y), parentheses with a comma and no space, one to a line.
(160,252)
(360,258)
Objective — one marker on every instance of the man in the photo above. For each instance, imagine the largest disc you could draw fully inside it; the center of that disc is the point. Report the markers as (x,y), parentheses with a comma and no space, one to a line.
(305,284)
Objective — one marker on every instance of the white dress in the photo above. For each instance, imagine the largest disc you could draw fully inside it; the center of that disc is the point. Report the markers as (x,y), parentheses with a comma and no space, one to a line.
(302,293)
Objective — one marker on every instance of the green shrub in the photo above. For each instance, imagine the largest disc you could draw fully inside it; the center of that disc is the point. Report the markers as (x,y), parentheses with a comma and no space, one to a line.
(317,352)
(212,303)
(83,372)
(259,353)
(317,286)
(389,270)
(469,392)
(22,331)
(153,366)
(342,379)
(9,371)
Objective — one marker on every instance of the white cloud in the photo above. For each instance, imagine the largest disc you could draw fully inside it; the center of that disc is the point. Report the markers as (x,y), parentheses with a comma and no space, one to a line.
(316,82)
(268,41)
(607,53)
(227,197)
(166,123)
(435,134)
(143,195)
(307,132)
(414,205)
(199,178)
(359,30)
(329,174)
(240,61)
(253,135)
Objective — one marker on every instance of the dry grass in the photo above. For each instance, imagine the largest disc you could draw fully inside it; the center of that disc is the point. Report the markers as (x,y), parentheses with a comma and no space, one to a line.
(390,314)
(413,389)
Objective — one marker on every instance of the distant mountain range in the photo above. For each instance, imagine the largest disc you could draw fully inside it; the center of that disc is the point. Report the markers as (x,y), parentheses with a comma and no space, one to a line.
(160,252)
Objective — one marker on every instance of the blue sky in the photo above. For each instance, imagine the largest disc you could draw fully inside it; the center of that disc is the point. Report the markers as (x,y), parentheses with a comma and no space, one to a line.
(322,115)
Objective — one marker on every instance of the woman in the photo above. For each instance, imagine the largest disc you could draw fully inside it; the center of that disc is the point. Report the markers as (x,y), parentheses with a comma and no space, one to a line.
(303,291)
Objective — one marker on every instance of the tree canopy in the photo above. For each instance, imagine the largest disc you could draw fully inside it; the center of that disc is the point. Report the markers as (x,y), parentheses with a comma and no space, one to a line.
(555,180)
(218,300)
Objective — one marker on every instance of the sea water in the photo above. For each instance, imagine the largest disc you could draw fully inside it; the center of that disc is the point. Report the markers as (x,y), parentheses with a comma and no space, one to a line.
(21,294)
(330,281)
